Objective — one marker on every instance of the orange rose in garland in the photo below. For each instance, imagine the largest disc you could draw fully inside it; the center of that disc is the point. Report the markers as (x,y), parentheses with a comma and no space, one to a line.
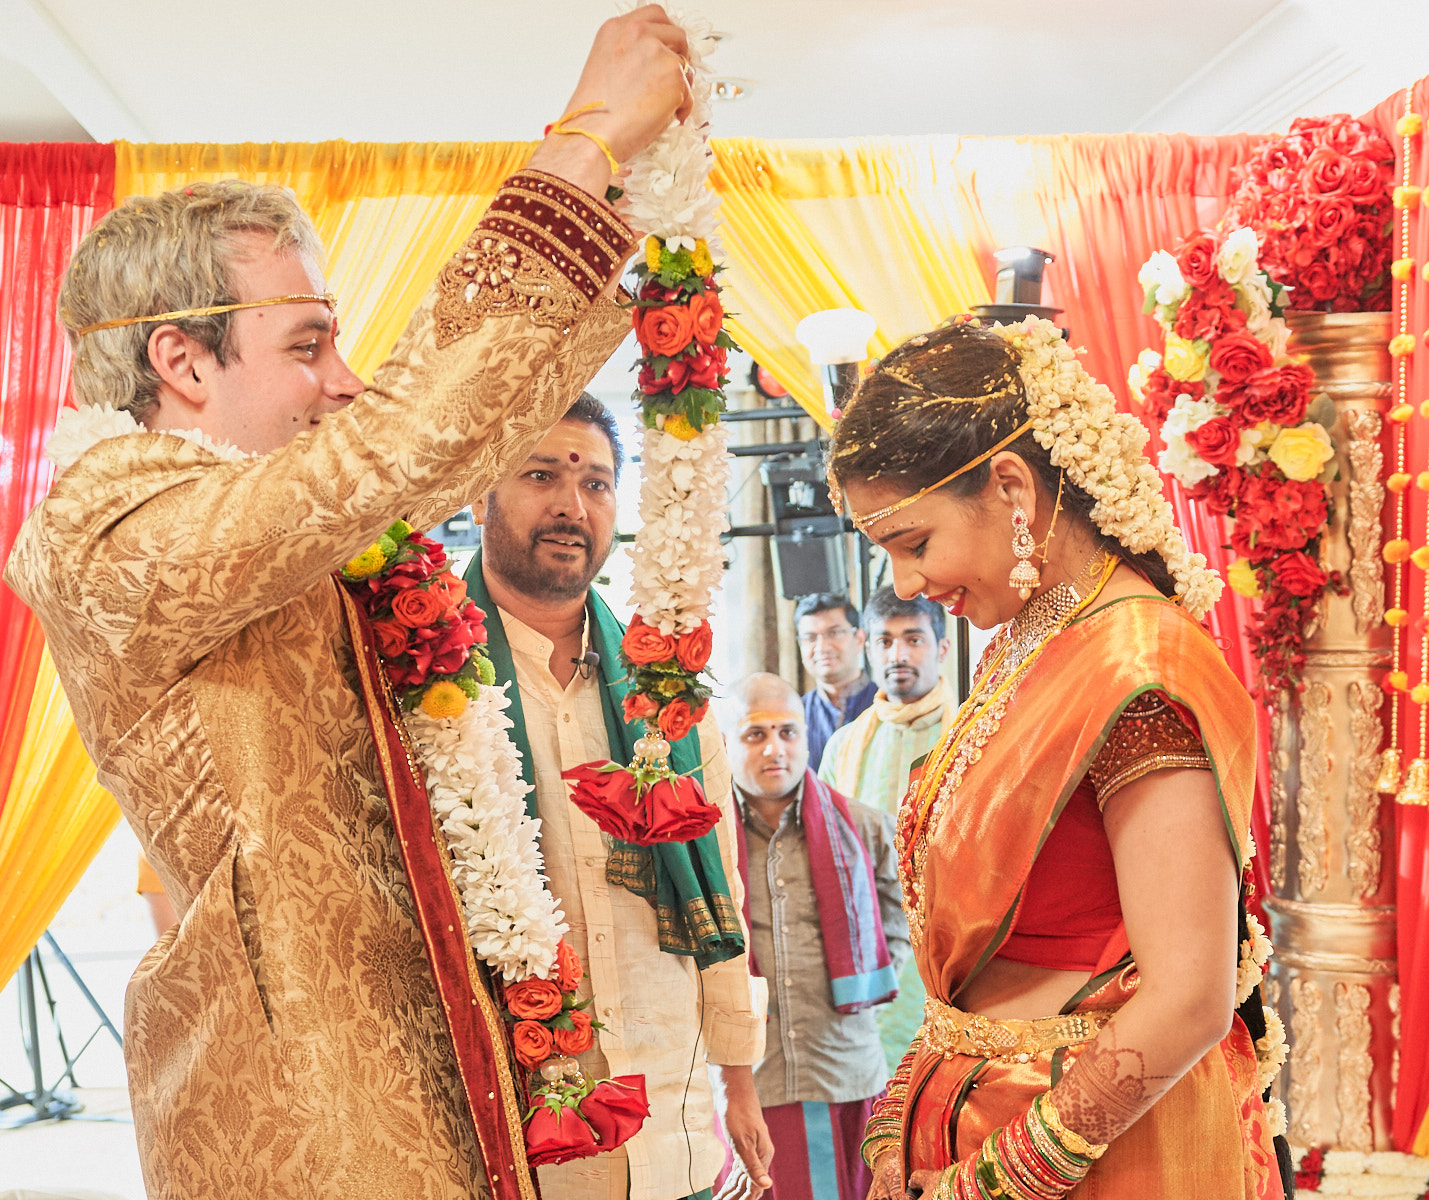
(707,313)
(644,644)
(533,1043)
(534,999)
(666,331)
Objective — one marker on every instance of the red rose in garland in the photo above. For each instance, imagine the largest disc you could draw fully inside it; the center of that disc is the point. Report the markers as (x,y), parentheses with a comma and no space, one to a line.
(557,1135)
(1197,260)
(1300,575)
(1217,441)
(1238,355)
(1278,394)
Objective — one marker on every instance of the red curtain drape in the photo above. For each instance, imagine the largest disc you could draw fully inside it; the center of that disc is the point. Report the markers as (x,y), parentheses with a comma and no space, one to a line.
(1103,205)
(1412,1091)
(50,195)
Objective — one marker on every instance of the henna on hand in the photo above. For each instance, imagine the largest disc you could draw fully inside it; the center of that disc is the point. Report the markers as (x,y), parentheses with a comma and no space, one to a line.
(1107,1089)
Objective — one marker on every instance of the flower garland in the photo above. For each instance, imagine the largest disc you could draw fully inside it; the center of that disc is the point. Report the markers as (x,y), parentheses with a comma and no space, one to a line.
(1318,200)
(1074,418)
(1241,432)
(429,639)
(677,556)
(1384,1173)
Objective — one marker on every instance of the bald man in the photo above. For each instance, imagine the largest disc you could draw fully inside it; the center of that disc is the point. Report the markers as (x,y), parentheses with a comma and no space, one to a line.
(827,929)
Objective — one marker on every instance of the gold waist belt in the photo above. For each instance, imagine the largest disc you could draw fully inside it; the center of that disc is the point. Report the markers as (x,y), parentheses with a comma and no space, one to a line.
(948,1031)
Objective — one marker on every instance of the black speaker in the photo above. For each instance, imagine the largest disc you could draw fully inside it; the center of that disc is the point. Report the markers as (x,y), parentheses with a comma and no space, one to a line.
(809,535)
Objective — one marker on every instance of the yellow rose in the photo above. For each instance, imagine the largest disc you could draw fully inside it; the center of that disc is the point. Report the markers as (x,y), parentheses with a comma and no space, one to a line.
(1303,451)
(1241,576)
(1186,360)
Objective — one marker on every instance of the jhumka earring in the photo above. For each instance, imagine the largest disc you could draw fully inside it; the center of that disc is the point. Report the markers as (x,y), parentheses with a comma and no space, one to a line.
(1025,578)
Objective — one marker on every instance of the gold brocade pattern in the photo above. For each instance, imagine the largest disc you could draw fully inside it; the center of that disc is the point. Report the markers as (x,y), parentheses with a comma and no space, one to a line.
(285,1039)
(494,276)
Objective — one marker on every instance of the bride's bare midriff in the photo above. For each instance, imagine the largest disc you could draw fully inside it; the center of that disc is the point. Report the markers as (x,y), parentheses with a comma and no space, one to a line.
(1019,990)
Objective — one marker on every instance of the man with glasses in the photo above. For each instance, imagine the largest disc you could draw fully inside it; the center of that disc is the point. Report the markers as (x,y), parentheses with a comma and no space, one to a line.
(831,645)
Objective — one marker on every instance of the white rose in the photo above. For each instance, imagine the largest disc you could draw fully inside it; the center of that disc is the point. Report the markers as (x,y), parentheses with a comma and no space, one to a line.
(1162,272)
(1253,295)
(1236,258)
(1276,336)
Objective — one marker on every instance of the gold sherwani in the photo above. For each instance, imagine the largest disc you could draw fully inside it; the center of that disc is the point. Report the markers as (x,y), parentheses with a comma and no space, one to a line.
(285,1039)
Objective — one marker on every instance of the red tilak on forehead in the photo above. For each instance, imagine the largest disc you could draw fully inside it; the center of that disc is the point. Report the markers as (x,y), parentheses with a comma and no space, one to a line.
(575,457)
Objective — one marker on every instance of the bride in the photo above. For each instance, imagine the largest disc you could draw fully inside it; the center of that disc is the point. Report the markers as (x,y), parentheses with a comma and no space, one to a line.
(1072,852)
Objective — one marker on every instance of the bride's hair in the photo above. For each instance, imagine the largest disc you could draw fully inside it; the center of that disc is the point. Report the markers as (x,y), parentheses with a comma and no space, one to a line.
(939,401)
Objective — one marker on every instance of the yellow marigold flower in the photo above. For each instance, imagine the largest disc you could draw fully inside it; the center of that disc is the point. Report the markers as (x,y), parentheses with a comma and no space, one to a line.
(1303,451)
(1424,274)
(1420,558)
(1395,616)
(1409,124)
(1401,413)
(443,699)
(1420,694)
(678,425)
(1421,481)
(1402,269)
(1186,360)
(1401,344)
(1241,576)
(1406,197)
(1395,551)
(1398,482)
(1424,409)
(652,253)
(369,562)
(701,260)
(1398,680)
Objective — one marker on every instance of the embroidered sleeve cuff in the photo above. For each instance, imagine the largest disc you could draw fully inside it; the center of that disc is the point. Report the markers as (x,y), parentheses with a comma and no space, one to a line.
(543,248)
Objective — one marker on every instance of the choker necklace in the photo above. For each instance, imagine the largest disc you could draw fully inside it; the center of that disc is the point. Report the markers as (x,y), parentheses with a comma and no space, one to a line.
(1048,612)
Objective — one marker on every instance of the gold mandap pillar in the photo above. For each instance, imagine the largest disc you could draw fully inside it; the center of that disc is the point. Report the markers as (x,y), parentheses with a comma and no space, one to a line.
(1331,852)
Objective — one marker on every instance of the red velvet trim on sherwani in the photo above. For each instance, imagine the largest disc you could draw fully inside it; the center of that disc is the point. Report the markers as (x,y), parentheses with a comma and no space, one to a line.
(496,1099)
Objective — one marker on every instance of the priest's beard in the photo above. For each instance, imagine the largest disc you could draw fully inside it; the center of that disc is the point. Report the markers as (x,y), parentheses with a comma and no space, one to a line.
(517,558)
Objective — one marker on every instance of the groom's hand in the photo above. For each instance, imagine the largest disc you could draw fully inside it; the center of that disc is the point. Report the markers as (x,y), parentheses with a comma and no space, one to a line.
(748,1134)
(636,74)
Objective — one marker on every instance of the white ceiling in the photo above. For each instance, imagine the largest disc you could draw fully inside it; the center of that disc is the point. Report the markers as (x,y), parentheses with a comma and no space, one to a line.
(374,70)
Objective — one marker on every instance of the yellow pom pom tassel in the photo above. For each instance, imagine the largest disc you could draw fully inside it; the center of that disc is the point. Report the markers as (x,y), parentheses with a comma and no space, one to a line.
(1420,694)
(1396,617)
(678,425)
(1421,481)
(1398,680)
(1398,482)
(443,699)
(1401,344)
(1420,558)
(1401,412)
(1424,409)
(1402,269)
(1396,551)
(1409,125)
(1406,197)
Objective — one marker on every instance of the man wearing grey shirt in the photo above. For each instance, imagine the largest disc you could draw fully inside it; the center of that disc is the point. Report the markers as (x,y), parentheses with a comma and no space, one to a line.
(826,921)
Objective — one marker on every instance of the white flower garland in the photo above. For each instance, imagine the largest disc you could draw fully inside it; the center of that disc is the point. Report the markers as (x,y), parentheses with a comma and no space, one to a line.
(473,776)
(1075,419)
(684,483)
(677,557)
(1271,1051)
(1255,952)
(472,769)
(1385,1173)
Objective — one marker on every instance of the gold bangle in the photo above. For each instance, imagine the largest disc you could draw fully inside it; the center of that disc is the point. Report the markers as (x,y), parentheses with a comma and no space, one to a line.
(1069,1138)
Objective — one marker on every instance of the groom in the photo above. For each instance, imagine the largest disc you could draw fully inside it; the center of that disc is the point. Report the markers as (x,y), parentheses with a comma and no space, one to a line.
(673,987)
(301,1032)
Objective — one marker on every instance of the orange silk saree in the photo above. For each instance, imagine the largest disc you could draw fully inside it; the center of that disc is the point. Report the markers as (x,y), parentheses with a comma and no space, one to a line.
(994,798)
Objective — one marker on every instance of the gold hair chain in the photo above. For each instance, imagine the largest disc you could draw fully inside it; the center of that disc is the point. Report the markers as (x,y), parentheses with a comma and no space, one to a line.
(213,309)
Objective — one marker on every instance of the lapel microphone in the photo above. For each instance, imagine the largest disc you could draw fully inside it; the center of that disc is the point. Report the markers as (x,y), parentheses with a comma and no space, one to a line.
(587,663)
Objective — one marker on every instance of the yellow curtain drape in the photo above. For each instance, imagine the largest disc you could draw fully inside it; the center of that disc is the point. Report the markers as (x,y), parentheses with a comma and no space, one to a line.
(863,223)
(55,819)
(808,225)
(389,215)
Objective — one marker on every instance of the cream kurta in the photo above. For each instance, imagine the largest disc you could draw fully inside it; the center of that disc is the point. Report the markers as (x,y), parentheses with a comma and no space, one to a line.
(650,1002)
(285,1039)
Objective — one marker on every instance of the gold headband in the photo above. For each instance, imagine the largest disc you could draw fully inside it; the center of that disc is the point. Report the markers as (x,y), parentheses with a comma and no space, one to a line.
(862,523)
(300,298)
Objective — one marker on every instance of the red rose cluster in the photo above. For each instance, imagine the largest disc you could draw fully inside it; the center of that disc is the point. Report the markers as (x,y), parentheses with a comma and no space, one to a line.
(569,1119)
(1320,200)
(679,333)
(423,622)
(665,670)
(672,808)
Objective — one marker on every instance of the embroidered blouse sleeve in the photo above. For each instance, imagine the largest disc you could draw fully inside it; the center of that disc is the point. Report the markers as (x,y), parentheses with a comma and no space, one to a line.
(1150,735)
